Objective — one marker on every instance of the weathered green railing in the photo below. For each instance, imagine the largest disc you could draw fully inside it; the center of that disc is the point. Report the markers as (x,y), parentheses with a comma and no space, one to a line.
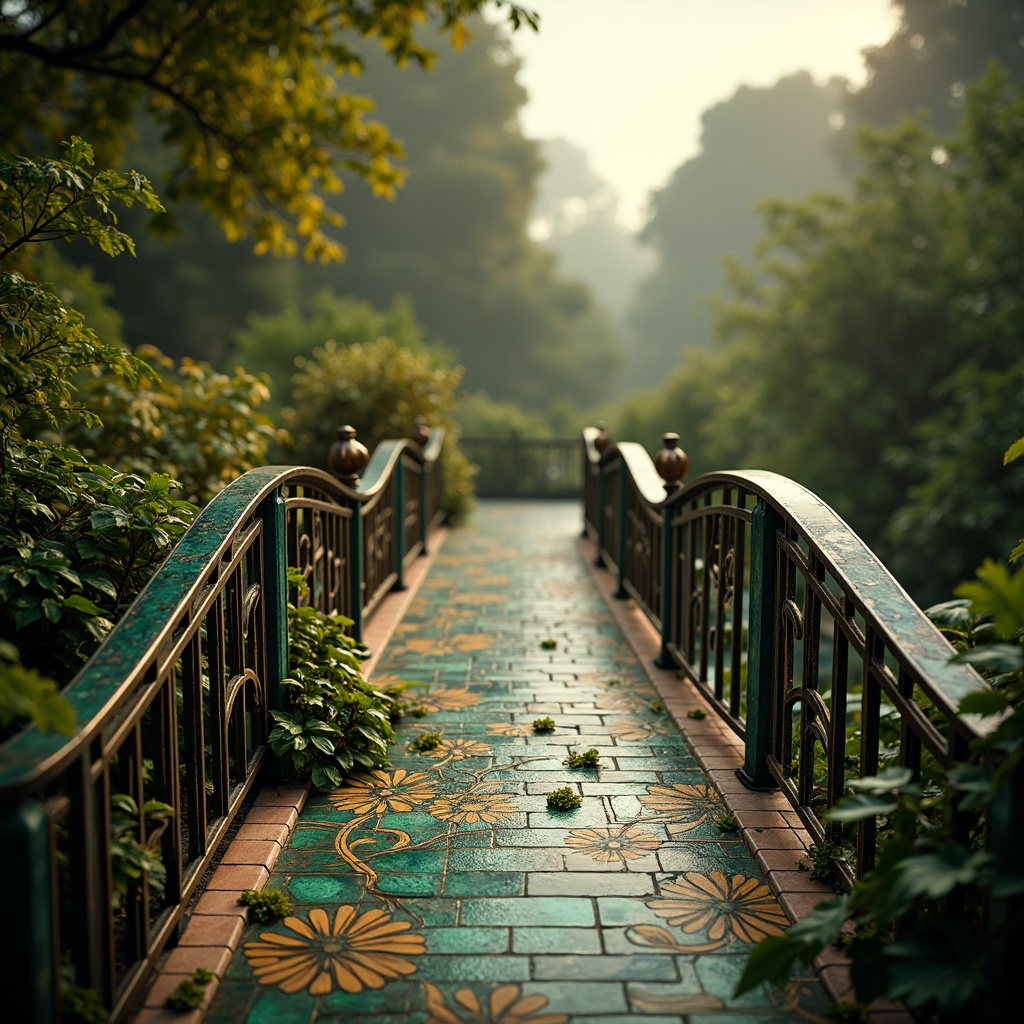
(525,467)
(786,621)
(174,707)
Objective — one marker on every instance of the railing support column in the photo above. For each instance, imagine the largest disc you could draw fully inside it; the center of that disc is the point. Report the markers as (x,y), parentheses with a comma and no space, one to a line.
(399,526)
(665,659)
(29,961)
(765,523)
(599,561)
(622,593)
(424,484)
(275,589)
(356,613)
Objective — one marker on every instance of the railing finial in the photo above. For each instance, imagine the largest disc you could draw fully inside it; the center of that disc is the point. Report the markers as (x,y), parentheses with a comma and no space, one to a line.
(420,431)
(603,438)
(671,462)
(347,457)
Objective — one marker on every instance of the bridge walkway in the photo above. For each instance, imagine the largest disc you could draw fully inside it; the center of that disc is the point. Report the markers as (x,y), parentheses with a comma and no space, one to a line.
(444,890)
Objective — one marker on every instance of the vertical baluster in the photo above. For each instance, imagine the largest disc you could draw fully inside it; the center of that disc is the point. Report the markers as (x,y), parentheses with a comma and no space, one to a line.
(809,678)
(736,689)
(31,962)
(217,668)
(871,702)
(837,721)
(762,695)
(274,583)
(194,736)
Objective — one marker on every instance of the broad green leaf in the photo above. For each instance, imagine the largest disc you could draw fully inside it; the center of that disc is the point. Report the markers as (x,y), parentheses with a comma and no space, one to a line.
(858,807)
(885,781)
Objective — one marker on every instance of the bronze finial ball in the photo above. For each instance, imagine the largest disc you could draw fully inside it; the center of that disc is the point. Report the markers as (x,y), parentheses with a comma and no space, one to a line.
(347,457)
(603,438)
(671,462)
(421,432)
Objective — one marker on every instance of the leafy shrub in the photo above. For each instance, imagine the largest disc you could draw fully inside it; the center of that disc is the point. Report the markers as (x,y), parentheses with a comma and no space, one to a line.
(131,859)
(187,420)
(588,759)
(337,720)
(380,387)
(543,725)
(77,539)
(427,742)
(266,904)
(564,799)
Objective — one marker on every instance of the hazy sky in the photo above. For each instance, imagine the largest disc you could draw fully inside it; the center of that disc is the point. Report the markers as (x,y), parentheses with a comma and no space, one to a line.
(627,80)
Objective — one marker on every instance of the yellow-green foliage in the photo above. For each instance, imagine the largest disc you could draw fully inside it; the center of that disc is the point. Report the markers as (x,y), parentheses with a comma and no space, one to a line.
(379,388)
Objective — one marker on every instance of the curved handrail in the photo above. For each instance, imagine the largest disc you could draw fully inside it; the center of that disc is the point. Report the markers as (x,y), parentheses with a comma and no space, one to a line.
(183,684)
(875,590)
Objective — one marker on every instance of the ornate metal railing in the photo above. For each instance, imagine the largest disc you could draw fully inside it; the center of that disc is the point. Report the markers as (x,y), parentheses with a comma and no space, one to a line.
(785,620)
(174,708)
(525,467)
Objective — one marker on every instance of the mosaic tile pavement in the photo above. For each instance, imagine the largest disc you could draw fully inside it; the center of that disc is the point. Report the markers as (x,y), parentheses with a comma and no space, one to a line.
(442,890)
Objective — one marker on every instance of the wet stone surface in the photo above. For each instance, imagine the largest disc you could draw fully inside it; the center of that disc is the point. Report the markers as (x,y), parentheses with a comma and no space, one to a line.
(442,890)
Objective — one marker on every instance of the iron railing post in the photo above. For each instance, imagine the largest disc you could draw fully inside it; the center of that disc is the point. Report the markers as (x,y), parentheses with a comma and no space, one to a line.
(399,525)
(599,560)
(765,523)
(25,857)
(664,659)
(622,593)
(356,612)
(424,484)
(275,588)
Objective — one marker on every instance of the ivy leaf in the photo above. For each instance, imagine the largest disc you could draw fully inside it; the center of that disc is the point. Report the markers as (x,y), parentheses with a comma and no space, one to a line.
(983,702)
(887,780)
(858,807)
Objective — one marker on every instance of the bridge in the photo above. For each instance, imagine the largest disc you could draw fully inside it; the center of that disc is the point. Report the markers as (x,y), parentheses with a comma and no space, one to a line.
(728,649)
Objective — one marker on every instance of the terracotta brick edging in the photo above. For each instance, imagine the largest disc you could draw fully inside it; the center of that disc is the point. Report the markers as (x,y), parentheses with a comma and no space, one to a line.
(768,825)
(215,924)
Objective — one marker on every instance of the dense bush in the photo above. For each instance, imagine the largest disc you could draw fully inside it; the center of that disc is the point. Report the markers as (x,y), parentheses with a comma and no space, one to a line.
(380,388)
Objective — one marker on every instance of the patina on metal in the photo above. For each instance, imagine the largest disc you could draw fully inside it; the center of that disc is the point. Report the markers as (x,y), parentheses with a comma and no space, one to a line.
(175,707)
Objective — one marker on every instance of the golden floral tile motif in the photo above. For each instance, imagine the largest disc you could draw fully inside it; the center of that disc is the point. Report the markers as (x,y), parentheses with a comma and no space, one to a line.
(686,805)
(381,791)
(449,699)
(459,749)
(509,729)
(635,730)
(463,643)
(736,907)
(470,808)
(627,842)
(355,952)
(505,1005)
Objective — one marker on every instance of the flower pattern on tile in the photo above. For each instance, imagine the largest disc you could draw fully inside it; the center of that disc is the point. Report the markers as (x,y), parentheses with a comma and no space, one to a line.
(635,730)
(459,749)
(509,729)
(687,805)
(470,808)
(735,907)
(381,791)
(505,1005)
(464,643)
(449,699)
(352,953)
(613,844)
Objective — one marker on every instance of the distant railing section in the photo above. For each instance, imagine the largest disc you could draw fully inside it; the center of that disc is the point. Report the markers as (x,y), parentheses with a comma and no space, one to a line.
(525,467)
(791,627)
(174,708)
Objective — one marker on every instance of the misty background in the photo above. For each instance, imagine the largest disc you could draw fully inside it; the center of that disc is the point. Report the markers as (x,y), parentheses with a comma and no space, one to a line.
(824,336)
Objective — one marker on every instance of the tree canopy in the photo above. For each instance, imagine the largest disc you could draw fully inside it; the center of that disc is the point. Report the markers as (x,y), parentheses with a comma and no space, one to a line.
(247,95)
(758,144)
(940,46)
(872,348)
